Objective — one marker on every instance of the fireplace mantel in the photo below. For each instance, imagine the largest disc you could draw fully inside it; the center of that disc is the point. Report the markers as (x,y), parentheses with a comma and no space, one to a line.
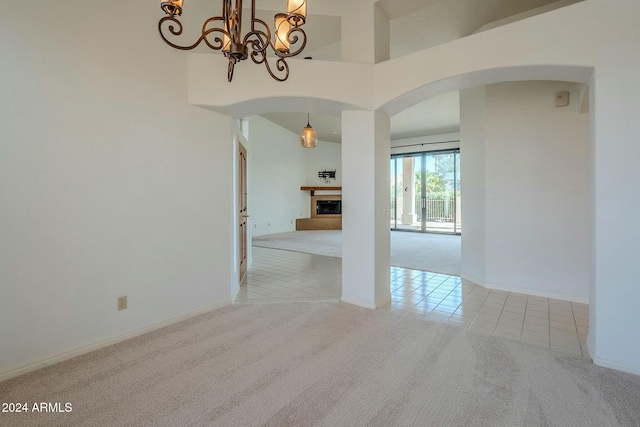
(314,189)
(321,221)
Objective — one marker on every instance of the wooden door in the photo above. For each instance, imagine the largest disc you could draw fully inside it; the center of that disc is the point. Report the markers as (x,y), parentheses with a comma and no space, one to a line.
(243,234)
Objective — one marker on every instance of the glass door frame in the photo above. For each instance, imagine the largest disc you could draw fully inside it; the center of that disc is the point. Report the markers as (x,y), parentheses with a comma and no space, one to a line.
(422,156)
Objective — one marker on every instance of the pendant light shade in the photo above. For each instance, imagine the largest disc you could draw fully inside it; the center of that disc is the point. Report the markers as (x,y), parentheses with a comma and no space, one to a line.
(308,136)
(297,11)
(283,27)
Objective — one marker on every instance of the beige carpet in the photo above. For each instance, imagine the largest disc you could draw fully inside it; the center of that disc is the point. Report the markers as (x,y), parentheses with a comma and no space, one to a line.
(324,364)
(439,253)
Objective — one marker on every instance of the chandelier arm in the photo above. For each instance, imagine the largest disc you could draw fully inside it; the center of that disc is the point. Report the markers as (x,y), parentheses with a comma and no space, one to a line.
(230,68)
(262,40)
(262,37)
(217,41)
(209,21)
(281,65)
(291,36)
(174,32)
(255,20)
(293,39)
(258,45)
(258,57)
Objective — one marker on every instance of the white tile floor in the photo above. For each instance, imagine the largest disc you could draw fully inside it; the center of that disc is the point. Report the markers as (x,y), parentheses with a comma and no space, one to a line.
(279,276)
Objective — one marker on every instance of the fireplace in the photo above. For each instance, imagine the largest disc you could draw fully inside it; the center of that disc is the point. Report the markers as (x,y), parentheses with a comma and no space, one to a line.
(328,207)
(326,210)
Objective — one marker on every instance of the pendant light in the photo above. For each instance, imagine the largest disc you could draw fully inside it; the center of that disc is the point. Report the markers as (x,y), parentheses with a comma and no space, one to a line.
(308,136)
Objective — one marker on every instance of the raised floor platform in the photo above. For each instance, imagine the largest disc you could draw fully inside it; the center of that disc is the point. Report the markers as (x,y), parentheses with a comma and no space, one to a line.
(319,224)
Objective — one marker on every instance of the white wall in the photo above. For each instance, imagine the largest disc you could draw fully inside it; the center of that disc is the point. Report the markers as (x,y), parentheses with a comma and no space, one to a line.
(443,21)
(326,155)
(278,166)
(536,187)
(472,183)
(110,183)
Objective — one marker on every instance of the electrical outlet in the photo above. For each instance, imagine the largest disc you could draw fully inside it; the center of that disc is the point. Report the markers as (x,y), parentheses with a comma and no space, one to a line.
(122,303)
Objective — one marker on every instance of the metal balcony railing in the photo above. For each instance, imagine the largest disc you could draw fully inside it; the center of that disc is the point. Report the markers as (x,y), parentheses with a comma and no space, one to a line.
(435,209)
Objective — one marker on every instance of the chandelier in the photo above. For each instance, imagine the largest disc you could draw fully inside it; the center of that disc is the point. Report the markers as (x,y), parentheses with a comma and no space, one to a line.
(225,33)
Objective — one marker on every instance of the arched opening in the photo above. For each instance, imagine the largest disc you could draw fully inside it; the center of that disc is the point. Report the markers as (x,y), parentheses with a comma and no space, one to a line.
(528,179)
(493,270)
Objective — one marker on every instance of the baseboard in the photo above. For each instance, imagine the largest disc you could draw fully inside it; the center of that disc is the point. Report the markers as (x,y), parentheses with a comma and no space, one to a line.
(384,301)
(525,291)
(612,364)
(609,363)
(537,293)
(61,357)
(473,279)
(235,289)
(358,303)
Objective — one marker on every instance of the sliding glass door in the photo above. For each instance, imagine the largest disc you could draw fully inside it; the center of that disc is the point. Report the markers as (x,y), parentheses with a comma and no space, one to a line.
(405,186)
(425,192)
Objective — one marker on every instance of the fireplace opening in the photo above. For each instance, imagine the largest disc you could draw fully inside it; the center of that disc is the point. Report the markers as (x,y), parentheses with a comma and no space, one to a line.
(328,207)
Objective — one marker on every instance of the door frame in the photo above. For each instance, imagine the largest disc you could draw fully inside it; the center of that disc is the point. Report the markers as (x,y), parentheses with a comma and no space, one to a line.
(242,212)
(421,157)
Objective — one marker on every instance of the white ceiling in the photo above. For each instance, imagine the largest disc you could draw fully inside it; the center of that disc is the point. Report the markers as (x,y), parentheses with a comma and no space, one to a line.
(327,127)
(414,25)
(437,115)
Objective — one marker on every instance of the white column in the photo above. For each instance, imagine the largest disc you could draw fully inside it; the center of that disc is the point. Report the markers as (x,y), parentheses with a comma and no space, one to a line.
(472,169)
(408,191)
(365,32)
(614,336)
(365,213)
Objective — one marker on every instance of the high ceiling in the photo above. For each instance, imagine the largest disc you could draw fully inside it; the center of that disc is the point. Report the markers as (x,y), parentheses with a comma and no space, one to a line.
(414,25)
(437,115)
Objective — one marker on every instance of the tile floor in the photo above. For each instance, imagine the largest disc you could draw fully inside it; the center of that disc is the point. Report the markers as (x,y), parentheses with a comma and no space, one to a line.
(546,322)
(280,276)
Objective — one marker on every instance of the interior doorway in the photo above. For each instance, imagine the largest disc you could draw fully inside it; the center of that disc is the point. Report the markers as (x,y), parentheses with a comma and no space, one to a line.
(425,192)
(243,235)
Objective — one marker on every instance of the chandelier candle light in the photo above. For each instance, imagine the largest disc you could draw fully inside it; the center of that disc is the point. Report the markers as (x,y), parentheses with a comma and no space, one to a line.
(225,33)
